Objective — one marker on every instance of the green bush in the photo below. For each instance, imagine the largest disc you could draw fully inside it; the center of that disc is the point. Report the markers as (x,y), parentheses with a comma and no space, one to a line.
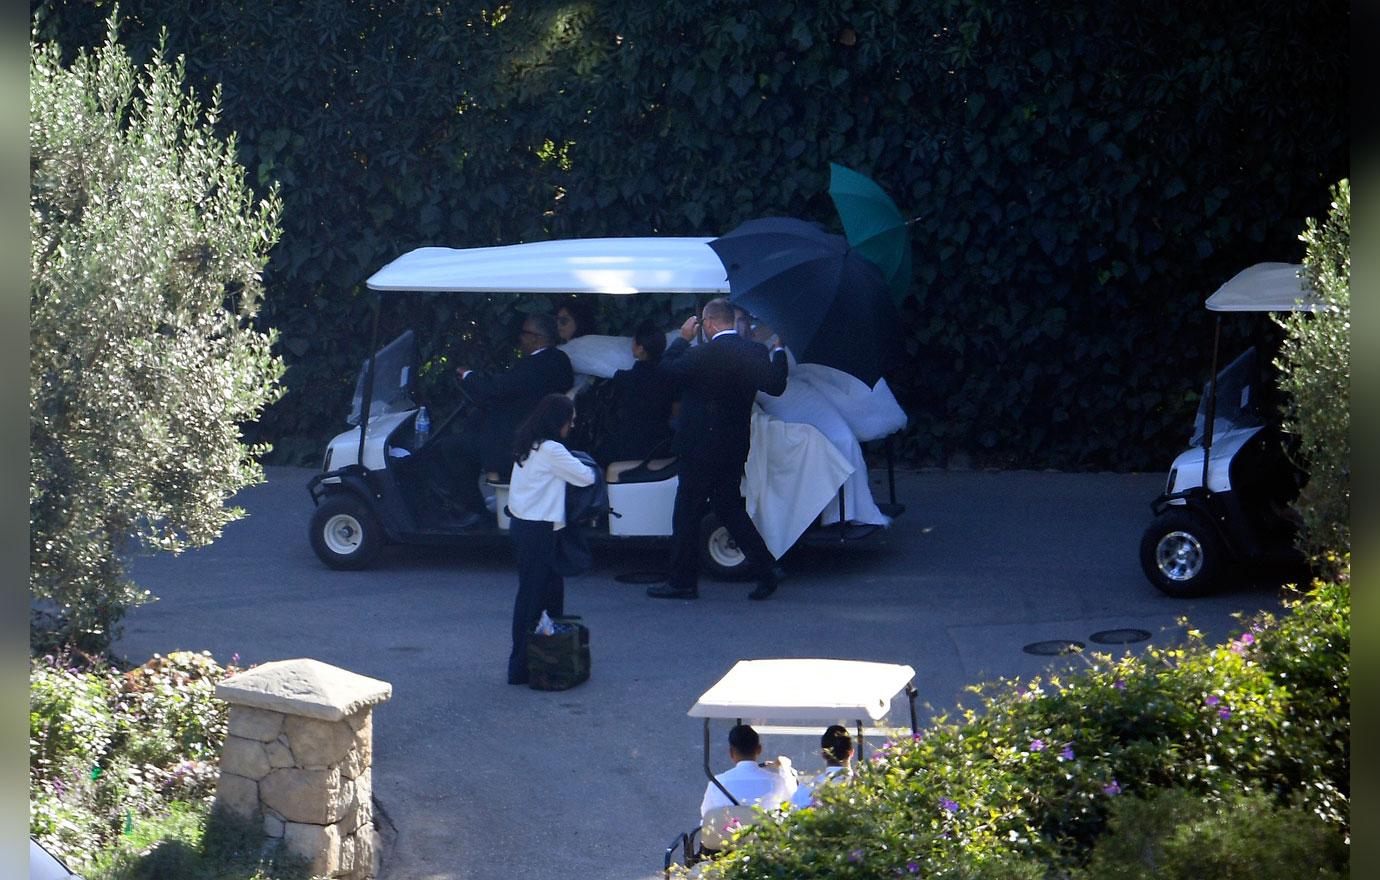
(1083,174)
(147,249)
(111,751)
(1027,783)
(1179,835)
(1315,375)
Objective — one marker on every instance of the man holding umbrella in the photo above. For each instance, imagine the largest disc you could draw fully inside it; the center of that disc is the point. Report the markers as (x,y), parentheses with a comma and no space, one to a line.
(717,382)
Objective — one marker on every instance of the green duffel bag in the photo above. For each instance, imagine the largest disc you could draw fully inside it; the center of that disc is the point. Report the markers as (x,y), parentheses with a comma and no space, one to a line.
(559,661)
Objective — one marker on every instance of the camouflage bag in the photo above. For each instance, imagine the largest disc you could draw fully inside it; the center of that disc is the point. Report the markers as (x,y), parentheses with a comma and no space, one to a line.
(559,661)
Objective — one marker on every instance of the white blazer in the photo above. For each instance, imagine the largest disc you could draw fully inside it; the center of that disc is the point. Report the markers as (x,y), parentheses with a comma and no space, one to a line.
(536,490)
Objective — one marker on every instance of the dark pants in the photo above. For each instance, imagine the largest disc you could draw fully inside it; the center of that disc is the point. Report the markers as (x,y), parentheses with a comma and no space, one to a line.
(452,469)
(706,485)
(540,586)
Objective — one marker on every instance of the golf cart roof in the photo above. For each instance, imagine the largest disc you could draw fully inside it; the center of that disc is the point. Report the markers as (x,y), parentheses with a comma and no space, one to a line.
(804,690)
(578,265)
(1265,287)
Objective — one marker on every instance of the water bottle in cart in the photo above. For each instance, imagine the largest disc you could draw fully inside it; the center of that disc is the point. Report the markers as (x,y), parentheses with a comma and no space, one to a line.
(423,427)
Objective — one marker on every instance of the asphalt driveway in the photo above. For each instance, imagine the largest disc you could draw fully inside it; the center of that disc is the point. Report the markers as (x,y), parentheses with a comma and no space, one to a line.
(483,780)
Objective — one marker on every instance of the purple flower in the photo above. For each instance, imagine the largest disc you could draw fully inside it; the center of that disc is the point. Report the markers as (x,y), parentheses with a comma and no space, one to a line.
(855,856)
(913,867)
(1037,745)
(1212,699)
(1224,713)
(1119,684)
(1247,639)
(916,737)
(1067,753)
(949,804)
(1111,790)
(235,659)
(1237,648)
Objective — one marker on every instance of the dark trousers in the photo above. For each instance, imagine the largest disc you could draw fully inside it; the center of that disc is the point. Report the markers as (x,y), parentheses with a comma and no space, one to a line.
(452,469)
(706,485)
(540,586)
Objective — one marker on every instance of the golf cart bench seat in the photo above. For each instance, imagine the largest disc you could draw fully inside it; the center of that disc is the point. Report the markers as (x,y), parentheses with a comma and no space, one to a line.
(649,471)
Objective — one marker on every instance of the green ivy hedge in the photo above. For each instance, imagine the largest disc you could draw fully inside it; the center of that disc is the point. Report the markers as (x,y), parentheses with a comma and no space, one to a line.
(1083,174)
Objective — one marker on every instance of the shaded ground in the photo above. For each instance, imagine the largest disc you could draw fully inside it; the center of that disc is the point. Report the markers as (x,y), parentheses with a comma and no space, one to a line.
(484,780)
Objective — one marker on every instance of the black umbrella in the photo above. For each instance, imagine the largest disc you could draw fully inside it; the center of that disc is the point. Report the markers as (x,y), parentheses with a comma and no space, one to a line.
(825,300)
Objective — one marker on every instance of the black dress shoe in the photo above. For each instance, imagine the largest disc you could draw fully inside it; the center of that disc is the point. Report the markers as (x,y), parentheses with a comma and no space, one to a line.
(763,591)
(667,591)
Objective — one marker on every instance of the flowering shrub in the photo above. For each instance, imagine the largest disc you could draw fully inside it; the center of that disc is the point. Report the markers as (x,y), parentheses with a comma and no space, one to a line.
(1026,786)
(108,750)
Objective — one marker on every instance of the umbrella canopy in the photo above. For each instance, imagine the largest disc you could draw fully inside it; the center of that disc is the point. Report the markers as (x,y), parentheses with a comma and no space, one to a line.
(823,298)
(873,225)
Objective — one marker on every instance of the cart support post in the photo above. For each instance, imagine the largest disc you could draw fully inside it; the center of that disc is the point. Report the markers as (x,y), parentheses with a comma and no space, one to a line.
(710,773)
(1211,415)
(862,755)
(910,696)
(368,400)
(891,468)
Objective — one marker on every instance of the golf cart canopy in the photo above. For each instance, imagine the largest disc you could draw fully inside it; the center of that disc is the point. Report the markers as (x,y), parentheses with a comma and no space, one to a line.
(580,265)
(1265,287)
(822,691)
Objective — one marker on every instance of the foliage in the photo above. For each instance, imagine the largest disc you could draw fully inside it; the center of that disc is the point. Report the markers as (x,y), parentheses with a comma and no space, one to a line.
(194,843)
(1083,174)
(1029,784)
(112,752)
(1315,375)
(147,248)
(1179,835)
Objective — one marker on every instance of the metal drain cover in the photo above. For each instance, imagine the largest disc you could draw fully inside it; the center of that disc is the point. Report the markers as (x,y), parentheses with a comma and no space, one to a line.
(1053,647)
(643,577)
(1119,636)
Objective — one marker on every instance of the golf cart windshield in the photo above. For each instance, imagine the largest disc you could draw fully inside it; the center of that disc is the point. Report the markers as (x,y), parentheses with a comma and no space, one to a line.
(1238,405)
(395,375)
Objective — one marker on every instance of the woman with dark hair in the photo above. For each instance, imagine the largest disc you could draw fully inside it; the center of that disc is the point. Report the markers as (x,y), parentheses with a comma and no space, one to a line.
(542,467)
(574,318)
(836,747)
(638,403)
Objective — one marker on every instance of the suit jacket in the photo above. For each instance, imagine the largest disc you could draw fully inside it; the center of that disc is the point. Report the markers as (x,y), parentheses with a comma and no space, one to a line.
(718,382)
(509,397)
(639,413)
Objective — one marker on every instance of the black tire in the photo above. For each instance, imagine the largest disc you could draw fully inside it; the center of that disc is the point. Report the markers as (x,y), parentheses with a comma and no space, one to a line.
(1183,555)
(344,533)
(720,557)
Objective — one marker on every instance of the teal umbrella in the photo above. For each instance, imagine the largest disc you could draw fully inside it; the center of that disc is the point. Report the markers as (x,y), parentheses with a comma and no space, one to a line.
(873,226)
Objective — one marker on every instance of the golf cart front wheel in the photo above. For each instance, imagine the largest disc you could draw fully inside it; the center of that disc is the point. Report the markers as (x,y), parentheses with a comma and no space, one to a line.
(720,556)
(344,533)
(1182,554)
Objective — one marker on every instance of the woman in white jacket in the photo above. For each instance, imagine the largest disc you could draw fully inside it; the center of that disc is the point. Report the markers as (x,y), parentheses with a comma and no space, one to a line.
(536,501)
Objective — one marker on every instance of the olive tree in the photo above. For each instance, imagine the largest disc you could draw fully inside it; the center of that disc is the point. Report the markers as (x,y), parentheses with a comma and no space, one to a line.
(1315,375)
(147,249)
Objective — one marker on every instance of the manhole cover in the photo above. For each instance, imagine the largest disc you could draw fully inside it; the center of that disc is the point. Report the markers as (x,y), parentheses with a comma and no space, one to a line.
(1119,636)
(643,577)
(1053,647)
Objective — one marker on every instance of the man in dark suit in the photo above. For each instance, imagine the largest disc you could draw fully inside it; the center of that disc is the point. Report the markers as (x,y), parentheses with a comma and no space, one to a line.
(504,400)
(637,402)
(718,381)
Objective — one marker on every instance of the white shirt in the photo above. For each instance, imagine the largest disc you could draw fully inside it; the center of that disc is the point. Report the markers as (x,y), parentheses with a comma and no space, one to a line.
(804,796)
(536,490)
(767,787)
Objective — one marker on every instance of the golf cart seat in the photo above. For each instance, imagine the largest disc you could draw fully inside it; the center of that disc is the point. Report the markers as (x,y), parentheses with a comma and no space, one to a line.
(648,471)
(710,839)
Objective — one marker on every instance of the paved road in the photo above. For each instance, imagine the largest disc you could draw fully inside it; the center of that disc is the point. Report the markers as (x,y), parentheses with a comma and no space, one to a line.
(484,780)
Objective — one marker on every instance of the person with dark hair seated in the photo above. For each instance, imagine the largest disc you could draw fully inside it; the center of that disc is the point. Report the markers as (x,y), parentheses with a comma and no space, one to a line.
(542,467)
(752,784)
(837,748)
(638,415)
(504,400)
(574,318)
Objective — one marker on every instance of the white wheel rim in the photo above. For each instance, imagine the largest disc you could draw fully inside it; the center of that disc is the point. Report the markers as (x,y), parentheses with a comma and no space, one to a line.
(723,550)
(1179,556)
(343,534)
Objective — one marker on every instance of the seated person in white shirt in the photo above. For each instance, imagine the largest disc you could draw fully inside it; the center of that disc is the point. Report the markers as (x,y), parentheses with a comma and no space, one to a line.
(837,748)
(752,784)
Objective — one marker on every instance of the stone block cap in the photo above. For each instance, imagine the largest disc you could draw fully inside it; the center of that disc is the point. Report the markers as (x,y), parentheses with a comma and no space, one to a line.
(304,687)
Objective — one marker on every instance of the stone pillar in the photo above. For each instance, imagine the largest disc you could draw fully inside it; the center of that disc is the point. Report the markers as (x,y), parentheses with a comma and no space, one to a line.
(298,756)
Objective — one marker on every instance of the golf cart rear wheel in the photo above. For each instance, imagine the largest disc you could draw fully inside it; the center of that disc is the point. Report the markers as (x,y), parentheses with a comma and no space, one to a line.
(720,556)
(1182,554)
(344,533)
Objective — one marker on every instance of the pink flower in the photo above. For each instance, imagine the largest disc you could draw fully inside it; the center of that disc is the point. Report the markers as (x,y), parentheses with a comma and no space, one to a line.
(1247,639)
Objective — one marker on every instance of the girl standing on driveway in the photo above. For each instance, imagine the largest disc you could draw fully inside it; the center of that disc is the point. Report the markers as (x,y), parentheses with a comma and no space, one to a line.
(536,502)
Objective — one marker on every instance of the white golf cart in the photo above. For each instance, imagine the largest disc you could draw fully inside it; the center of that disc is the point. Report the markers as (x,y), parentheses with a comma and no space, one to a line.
(370,490)
(1226,504)
(796,697)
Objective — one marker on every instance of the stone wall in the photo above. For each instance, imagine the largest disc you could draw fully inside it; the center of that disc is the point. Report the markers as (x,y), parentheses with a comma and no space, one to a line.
(300,759)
